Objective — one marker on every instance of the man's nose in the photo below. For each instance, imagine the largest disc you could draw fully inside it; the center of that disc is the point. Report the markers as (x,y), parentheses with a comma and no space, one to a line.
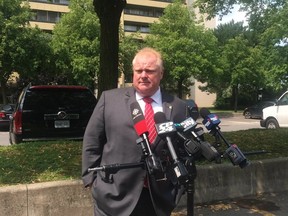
(144,74)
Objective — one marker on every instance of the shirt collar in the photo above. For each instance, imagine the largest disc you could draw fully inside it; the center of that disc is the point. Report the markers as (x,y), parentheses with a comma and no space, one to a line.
(156,97)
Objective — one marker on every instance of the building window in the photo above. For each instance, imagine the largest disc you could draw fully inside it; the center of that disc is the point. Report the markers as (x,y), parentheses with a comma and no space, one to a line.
(134,27)
(143,11)
(46,16)
(64,2)
(130,28)
(164,1)
(144,29)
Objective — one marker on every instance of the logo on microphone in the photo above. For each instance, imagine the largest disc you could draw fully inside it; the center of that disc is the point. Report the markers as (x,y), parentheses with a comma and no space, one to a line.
(165,128)
(136,113)
(188,123)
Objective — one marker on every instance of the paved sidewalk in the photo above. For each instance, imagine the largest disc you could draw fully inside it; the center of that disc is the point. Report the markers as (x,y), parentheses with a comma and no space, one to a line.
(268,204)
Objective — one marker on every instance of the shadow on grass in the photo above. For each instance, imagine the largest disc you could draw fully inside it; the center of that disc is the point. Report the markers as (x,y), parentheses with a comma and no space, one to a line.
(40,161)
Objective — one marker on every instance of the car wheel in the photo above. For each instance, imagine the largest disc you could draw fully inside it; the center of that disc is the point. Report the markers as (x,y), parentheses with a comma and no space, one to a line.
(272,124)
(247,115)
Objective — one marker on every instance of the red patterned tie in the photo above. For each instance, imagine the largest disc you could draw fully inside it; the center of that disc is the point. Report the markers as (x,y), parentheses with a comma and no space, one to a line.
(149,117)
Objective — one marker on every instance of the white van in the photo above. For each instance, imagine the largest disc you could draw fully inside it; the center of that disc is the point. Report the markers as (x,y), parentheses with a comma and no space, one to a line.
(276,116)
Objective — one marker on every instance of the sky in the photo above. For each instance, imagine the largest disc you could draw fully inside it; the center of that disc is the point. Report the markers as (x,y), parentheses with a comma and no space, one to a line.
(235,15)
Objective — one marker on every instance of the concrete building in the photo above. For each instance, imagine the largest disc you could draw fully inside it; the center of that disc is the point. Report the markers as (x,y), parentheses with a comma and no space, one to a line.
(47,12)
(137,16)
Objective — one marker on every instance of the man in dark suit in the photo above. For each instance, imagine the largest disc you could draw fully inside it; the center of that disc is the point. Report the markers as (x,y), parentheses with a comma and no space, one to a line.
(110,138)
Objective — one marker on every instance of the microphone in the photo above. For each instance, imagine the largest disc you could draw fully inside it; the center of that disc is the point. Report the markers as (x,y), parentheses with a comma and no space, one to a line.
(153,163)
(211,122)
(187,125)
(165,130)
(194,146)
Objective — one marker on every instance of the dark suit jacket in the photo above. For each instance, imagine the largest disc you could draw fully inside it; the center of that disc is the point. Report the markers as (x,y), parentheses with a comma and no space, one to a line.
(110,138)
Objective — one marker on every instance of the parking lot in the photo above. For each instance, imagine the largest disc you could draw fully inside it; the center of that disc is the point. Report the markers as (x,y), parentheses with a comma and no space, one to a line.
(4,138)
(238,122)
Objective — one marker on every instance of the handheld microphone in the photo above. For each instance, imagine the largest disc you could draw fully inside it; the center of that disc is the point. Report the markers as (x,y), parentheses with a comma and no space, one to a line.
(211,122)
(153,163)
(188,124)
(193,147)
(165,129)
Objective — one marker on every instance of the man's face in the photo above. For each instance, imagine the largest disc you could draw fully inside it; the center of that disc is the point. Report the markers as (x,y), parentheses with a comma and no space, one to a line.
(146,74)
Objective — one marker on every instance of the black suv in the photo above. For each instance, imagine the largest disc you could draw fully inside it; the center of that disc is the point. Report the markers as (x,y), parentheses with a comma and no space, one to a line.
(50,112)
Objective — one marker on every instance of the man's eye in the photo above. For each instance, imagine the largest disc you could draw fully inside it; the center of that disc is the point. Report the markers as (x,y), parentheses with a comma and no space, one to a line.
(146,71)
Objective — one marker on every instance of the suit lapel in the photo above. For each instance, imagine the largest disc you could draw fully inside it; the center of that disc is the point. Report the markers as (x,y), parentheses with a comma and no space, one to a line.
(167,106)
(167,109)
(129,98)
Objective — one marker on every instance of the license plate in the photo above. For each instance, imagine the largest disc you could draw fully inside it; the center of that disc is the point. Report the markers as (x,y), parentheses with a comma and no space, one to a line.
(62,124)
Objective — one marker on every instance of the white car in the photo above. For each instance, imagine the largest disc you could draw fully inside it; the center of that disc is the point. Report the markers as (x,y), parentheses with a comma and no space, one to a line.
(276,116)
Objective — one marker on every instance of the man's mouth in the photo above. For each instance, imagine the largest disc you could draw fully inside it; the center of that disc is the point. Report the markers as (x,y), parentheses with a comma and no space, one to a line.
(144,82)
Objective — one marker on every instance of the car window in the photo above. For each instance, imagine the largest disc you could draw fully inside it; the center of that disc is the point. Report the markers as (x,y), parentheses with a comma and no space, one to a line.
(284,100)
(54,98)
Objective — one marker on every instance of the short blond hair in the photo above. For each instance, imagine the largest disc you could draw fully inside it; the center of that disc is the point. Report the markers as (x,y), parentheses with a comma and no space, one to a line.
(159,60)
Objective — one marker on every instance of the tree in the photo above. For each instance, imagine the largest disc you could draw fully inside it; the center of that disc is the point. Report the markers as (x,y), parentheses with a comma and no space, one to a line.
(33,59)
(275,42)
(128,46)
(187,47)
(109,13)
(223,7)
(227,31)
(21,47)
(267,32)
(242,68)
(75,45)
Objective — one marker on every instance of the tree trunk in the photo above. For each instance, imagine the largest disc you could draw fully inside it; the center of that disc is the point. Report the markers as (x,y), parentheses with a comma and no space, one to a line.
(179,89)
(3,91)
(109,13)
(235,96)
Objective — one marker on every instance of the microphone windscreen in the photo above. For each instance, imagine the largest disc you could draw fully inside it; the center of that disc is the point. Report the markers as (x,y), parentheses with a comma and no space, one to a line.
(138,119)
(159,118)
(204,112)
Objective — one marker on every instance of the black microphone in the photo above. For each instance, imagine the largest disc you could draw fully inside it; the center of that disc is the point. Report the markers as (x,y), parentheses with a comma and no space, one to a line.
(153,163)
(193,146)
(211,122)
(165,130)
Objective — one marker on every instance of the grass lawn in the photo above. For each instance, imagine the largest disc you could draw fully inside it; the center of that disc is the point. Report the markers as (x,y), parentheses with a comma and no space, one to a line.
(59,160)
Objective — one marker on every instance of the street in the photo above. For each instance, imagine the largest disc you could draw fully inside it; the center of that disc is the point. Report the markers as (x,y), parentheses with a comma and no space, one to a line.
(237,122)
(4,138)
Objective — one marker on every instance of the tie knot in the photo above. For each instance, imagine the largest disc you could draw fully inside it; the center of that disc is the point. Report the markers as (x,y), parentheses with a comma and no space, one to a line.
(148,100)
